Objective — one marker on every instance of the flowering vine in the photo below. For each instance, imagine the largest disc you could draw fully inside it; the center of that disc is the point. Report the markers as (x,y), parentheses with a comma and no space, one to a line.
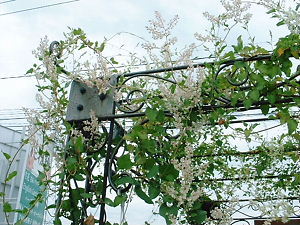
(179,146)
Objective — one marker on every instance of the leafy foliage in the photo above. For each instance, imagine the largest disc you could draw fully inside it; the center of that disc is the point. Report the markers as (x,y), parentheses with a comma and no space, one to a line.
(181,148)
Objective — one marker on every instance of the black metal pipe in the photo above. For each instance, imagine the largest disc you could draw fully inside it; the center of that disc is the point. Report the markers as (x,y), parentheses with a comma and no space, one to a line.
(106,168)
(106,163)
(195,65)
(245,178)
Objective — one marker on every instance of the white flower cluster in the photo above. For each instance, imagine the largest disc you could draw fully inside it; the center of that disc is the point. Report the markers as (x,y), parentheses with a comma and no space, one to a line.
(207,37)
(223,215)
(190,91)
(44,124)
(267,222)
(186,195)
(32,118)
(217,213)
(160,28)
(42,53)
(175,221)
(280,209)
(235,10)
(185,57)
(288,15)
(91,128)
(160,51)
(220,217)
(94,74)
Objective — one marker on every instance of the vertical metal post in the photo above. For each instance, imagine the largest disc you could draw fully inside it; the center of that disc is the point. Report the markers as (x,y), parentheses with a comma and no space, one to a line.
(106,165)
(114,81)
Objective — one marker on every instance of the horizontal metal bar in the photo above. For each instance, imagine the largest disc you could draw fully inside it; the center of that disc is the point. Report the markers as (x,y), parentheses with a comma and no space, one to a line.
(255,199)
(183,67)
(234,154)
(130,115)
(244,178)
(240,106)
(261,218)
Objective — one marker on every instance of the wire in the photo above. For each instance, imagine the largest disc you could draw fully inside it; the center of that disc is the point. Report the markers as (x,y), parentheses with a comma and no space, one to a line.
(13,77)
(39,7)
(16,118)
(116,67)
(20,109)
(7,1)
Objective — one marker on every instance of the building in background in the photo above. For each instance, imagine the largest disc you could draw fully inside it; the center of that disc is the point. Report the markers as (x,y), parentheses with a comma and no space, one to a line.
(20,190)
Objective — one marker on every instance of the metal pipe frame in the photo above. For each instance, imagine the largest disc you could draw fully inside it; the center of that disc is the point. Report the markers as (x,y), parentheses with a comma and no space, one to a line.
(111,151)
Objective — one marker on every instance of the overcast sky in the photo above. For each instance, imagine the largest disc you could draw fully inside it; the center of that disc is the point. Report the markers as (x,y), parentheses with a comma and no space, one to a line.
(20,33)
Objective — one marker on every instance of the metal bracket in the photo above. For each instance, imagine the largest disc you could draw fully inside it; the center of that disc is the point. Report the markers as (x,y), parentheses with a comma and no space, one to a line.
(84,99)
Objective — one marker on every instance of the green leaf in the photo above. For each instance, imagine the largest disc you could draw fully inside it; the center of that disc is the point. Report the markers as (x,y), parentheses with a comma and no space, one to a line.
(124,162)
(7,207)
(41,177)
(292,125)
(125,180)
(237,48)
(297,100)
(247,132)
(78,31)
(86,195)
(11,176)
(297,178)
(7,156)
(119,199)
(109,202)
(76,194)
(271,98)
(2,194)
(66,204)
(199,216)
(265,109)
(82,46)
(259,169)
(280,23)
(79,177)
(153,171)
(29,71)
(164,210)
(113,61)
(71,161)
(168,172)
(25,141)
(153,191)
(57,222)
(248,103)
(150,162)
(102,46)
(138,190)
(271,11)
(160,116)
(53,206)
(79,144)
(151,114)
(236,97)
(254,95)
